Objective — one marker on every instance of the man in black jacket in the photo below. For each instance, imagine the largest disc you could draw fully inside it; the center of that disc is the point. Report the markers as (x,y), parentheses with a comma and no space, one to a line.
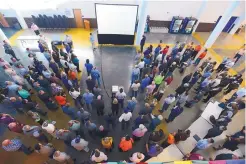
(215,131)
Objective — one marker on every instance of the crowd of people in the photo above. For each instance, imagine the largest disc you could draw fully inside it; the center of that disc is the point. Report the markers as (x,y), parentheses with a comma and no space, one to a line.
(151,75)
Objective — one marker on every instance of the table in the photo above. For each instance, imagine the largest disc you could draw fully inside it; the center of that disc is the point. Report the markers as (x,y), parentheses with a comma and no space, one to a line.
(171,153)
(212,109)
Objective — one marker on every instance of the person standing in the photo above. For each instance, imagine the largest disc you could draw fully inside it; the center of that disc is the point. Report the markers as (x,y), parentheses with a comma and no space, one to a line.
(239,54)
(88,66)
(70,111)
(90,83)
(157,51)
(215,131)
(175,112)
(135,74)
(107,143)
(187,78)
(126,143)
(46,149)
(110,119)
(8,49)
(137,157)
(75,61)
(131,104)
(92,40)
(213,92)
(145,82)
(141,67)
(99,105)
(135,87)
(121,95)
(182,98)
(35,28)
(61,157)
(200,57)
(167,102)
(16,145)
(158,80)
(155,121)
(76,95)
(115,107)
(139,132)
(150,89)
(88,98)
(98,156)
(80,144)
(95,75)
(92,128)
(125,119)
(195,52)
(203,144)
(142,43)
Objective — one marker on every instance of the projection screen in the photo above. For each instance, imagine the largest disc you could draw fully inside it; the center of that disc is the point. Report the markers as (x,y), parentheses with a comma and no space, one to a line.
(116,23)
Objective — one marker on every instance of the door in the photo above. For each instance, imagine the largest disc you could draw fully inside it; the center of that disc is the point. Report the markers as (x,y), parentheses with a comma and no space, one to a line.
(78,18)
(229,24)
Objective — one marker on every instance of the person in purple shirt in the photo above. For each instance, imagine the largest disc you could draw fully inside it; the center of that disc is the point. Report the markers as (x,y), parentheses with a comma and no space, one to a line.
(88,67)
(6,118)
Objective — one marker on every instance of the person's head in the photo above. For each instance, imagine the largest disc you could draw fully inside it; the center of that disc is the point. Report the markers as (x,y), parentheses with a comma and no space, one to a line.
(139,155)
(97,153)
(139,51)
(121,90)
(12,125)
(151,46)
(210,140)
(87,91)
(128,138)
(89,78)
(141,127)
(38,146)
(87,61)
(26,127)
(146,75)
(6,142)
(57,154)
(223,128)
(167,46)
(160,117)
(106,140)
(143,36)
(153,83)
(134,99)
(101,128)
(90,33)
(158,148)
(126,111)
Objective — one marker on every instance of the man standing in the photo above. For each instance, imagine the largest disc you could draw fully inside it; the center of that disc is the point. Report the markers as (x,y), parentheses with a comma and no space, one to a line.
(213,92)
(88,97)
(95,74)
(239,54)
(175,112)
(125,119)
(99,105)
(8,49)
(200,57)
(15,145)
(142,42)
(92,39)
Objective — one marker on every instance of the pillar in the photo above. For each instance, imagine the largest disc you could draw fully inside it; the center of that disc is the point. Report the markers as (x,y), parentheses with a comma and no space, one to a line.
(223,21)
(199,13)
(3,36)
(21,20)
(141,21)
(237,23)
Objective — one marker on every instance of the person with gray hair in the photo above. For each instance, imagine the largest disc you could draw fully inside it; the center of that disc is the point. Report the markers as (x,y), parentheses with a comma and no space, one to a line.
(90,83)
(99,105)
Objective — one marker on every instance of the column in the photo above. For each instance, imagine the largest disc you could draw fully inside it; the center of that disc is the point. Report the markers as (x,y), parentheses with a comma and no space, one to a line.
(21,20)
(142,13)
(237,23)
(3,36)
(223,21)
(199,13)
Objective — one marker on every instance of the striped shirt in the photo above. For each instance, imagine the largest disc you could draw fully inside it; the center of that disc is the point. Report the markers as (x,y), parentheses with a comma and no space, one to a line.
(13,146)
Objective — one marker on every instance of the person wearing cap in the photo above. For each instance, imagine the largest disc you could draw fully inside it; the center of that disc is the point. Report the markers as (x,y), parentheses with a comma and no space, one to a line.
(61,156)
(80,144)
(145,82)
(99,105)
(15,145)
(175,112)
(95,75)
(167,102)
(137,157)
(98,156)
(135,74)
(131,104)
(107,143)
(155,121)
(125,119)
(139,132)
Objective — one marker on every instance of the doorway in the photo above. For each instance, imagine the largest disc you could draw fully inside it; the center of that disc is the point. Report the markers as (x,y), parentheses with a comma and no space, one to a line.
(78,18)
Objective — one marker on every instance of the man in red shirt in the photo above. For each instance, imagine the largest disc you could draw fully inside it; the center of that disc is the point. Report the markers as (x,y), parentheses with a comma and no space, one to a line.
(197,49)
(164,52)
(200,57)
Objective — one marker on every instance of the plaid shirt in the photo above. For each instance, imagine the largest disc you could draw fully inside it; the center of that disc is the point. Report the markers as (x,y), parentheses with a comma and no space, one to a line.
(13,146)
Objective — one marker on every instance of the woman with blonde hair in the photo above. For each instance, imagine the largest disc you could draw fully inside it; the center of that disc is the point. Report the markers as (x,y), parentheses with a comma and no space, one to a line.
(115,106)
(108,143)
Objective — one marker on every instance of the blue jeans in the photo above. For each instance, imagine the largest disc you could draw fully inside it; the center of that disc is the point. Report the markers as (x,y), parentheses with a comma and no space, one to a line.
(197,61)
(164,107)
(134,93)
(134,78)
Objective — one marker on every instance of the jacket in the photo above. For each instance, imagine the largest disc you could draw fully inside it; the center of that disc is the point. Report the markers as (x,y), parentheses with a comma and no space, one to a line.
(126,145)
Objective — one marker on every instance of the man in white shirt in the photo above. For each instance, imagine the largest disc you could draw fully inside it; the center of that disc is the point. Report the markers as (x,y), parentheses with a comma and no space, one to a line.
(120,97)
(137,157)
(239,54)
(229,64)
(135,87)
(141,66)
(214,83)
(99,156)
(125,119)
(69,41)
(80,144)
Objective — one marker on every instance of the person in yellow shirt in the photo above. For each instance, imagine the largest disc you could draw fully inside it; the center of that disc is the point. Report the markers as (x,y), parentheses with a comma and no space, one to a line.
(107,143)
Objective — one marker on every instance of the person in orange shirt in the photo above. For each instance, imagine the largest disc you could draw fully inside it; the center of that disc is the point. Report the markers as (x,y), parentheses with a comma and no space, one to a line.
(197,49)
(126,143)
(200,57)
(61,100)
(73,77)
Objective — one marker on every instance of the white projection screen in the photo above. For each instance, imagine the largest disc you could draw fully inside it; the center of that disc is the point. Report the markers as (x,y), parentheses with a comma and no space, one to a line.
(115,20)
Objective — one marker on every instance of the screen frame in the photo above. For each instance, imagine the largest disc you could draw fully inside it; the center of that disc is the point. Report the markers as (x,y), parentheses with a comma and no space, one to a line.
(122,39)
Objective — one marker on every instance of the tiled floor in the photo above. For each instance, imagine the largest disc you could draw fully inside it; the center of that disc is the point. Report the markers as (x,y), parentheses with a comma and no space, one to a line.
(115,63)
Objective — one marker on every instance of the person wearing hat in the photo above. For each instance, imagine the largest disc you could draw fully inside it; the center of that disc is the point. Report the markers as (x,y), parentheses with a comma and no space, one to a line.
(139,132)
(80,144)
(125,119)
(167,102)
(137,157)
(156,120)
(135,74)
(98,156)
(175,112)
(107,143)
(61,156)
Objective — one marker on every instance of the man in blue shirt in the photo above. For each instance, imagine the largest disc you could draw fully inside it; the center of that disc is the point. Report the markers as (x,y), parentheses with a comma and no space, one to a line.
(145,83)
(88,67)
(70,111)
(15,145)
(157,51)
(12,87)
(203,144)
(91,127)
(95,74)
(88,98)
(135,74)
(204,84)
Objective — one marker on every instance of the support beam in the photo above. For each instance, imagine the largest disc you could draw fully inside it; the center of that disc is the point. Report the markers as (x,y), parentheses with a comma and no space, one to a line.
(142,13)
(199,13)
(220,26)
(238,23)
(21,20)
